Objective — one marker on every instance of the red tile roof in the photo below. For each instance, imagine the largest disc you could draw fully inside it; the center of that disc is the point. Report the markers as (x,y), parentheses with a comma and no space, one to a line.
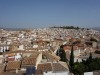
(10,59)
(13,65)
(44,67)
(29,61)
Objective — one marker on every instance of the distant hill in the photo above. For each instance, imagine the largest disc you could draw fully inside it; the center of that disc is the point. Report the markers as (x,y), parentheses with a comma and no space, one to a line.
(96,28)
(66,27)
(13,29)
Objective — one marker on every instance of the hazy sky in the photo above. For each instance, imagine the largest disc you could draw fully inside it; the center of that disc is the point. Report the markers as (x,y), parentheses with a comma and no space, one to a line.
(46,13)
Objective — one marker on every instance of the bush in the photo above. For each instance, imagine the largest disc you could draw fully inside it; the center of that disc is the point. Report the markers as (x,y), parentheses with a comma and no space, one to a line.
(86,66)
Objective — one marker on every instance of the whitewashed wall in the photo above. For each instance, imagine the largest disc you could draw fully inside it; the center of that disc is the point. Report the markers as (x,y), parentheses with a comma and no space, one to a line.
(57,73)
(88,73)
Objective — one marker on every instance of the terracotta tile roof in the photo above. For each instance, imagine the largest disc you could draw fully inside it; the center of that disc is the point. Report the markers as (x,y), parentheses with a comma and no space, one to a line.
(69,47)
(10,73)
(20,51)
(39,72)
(80,45)
(35,54)
(42,41)
(55,67)
(44,67)
(12,52)
(52,56)
(10,59)
(58,39)
(2,68)
(29,61)
(59,67)
(13,65)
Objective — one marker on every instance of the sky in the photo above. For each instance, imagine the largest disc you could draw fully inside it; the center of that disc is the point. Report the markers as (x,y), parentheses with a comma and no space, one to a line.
(48,13)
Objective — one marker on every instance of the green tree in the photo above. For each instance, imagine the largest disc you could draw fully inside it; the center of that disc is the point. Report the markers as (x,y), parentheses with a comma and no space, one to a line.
(91,64)
(61,53)
(93,39)
(71,62)
(79,68)
(90,57)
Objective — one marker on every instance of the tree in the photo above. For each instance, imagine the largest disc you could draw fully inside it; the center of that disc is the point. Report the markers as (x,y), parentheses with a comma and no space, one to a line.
(91,64)
(79,68)
(90,57)
(97,52)
(93,39)
(71,62)
(61,53)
